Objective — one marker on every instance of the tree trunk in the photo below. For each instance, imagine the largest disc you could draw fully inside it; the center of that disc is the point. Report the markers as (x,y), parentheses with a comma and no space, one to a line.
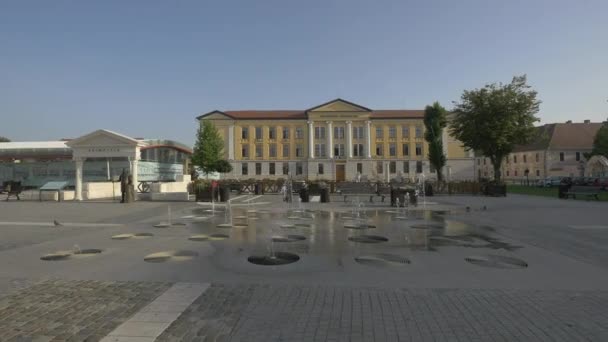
(439,175)
(496,172)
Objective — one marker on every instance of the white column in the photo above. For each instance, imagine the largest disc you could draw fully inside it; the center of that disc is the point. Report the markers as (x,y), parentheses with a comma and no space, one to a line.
(368,136)
(79,164)
(231,142)
(349,139)
(330,140)
(134,163)
(311,139)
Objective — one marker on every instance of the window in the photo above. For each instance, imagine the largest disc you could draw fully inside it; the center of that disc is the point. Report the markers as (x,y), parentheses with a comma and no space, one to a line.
(244,169)
(418,131)
(392,167)
(320,169)
(418,167)
(258,132)
(272,150)
(392,132)
(285,150)
(392,149)
(358,132)
(379,149)
(406,167)
(405,132)
(379,132)
(258,151)
(339,150)
(525,159)
(359,167)
(245,151)
(379,167)
(578,156)
(244,133)
(299,152)
(320,132)
(537,159)
(419,149)
(272,133)
(537,173)
(338,132)
(285,132)
(507,173)
(258,168)
(515,173)
(285,168)
(271,168)
(298,168)
(406,149)
(358,150)
(299,133)
(478,161)
(561,156)
(507,159)
(320,150)
(514,160)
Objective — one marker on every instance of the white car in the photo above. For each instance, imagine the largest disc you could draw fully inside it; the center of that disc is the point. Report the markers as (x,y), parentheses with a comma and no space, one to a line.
(550,181)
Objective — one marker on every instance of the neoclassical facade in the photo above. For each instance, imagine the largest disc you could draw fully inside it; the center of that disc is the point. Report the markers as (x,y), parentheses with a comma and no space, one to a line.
(336,140)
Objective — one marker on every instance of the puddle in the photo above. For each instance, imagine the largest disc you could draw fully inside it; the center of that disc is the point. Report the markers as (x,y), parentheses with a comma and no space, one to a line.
(497,261)
(279,258)
(368,238)
(382,260)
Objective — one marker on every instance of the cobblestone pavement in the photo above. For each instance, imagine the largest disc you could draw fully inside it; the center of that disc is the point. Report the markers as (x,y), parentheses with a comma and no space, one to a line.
(292,313)
(60,310)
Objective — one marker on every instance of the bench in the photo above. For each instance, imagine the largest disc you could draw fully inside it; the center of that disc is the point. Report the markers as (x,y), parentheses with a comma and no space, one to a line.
(12,189)
(587,191)
(358,189)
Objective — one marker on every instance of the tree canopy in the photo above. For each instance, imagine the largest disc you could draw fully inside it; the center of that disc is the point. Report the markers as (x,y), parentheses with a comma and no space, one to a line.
(600,142)
(494,119)
(435,120)
(4,139)
(208,152)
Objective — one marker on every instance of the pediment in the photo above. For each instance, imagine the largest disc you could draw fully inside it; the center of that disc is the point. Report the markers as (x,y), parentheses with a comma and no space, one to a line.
(215,115)
(339,105)
(103,137)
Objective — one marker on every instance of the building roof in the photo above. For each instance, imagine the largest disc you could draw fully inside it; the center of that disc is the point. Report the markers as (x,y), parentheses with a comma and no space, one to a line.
(564,136)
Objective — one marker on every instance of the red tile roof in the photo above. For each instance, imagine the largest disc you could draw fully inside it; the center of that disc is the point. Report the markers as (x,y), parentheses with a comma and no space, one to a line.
(397,114)
(302,115)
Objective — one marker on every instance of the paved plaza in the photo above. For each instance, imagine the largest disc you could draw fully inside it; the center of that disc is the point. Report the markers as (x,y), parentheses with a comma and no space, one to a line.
(519,268)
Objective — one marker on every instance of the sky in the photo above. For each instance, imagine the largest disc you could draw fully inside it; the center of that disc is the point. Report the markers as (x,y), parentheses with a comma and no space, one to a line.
(148,68)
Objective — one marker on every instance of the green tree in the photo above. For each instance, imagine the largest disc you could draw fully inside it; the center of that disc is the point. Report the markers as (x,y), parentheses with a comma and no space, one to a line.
(495,118)
(208,152)
(4,139)
(600,142)
(435,120)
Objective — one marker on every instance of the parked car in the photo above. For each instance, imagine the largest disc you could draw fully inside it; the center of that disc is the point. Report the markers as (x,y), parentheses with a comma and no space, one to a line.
(550,181)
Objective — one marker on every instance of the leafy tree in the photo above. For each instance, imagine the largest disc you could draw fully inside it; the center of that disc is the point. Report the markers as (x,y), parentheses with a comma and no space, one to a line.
(435,120)
(600,142)
(495,118)
(208,151)
(4,139)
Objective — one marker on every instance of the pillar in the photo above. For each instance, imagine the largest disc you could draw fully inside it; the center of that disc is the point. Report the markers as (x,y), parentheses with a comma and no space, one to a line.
(79,164)
(134,163)
(368,136)
(231,142)
(311,140)
(330,140)
(349,139)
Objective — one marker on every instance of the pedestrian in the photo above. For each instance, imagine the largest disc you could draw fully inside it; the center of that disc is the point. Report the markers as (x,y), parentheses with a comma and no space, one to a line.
(124,182)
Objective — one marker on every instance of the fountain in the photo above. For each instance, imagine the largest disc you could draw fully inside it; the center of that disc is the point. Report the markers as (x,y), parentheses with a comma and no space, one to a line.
(227,216)
(169,222)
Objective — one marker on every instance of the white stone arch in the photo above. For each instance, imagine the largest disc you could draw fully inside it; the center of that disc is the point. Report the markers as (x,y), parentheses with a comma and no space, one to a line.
(103,144)
(597,166)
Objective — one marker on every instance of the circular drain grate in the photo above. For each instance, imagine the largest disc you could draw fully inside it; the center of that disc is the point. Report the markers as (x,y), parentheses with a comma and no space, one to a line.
(355,225)
(224,225)
(426,226)
(64,255)
(212,237)
(131,236)
(305,225)
(496,261)
(288,238)
(56,256)
(279,258)
(368,238)
(382,259)
(169,225)
(182,255)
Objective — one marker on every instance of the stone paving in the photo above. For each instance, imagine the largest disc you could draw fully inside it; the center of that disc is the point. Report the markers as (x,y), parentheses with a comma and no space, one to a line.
(295,313)
(62,310)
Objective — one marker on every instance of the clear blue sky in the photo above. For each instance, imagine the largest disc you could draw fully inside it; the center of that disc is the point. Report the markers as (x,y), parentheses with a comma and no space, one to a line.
(148,68)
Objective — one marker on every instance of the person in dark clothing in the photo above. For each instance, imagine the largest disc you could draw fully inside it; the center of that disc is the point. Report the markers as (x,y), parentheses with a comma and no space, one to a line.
(124,182)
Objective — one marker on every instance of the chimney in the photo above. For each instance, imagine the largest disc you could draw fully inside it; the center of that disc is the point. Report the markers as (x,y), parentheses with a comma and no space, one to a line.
(569,121)
(587,121)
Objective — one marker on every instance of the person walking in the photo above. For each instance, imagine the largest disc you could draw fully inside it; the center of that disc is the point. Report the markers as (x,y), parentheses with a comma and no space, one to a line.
(124,182)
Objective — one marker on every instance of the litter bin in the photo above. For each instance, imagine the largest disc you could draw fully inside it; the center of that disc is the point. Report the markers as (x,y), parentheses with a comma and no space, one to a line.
(428,189)
(562,190)
(304,195)
(224,193)
(325,195)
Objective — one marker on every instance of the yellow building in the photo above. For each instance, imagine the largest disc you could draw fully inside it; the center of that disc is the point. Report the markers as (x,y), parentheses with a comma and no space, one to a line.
(337,140)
